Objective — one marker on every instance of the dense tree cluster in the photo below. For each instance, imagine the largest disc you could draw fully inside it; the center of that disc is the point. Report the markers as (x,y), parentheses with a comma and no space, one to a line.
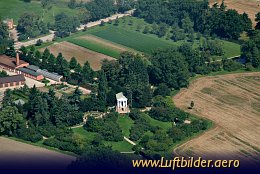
(169,67)
(140,126)
(42,115)
(30,26)
(107,127)
(64,139)
(168,114)
(257,19)
(125,5)
(130,75)
(65,24)
(5,40)
(72,71)
(193,15)
(251,49)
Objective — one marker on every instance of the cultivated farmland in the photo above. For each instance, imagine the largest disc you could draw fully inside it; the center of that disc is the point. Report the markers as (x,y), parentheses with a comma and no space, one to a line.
(232,102)
(69,50)
(100,45)
(26,155)
(131,39)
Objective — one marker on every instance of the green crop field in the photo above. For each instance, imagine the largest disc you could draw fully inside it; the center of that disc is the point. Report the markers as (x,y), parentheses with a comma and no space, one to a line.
(132,39)
(95,47)
(126,35)
(111,40)
(15,8)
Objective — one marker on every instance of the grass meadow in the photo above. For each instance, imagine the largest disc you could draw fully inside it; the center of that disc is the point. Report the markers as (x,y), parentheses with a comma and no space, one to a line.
(15,8)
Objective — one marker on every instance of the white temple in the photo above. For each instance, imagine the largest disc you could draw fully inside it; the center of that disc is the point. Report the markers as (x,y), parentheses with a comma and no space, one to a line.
(122,105)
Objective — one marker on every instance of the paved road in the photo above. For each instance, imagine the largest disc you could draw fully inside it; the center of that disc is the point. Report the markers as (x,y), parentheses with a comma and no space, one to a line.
(49,37)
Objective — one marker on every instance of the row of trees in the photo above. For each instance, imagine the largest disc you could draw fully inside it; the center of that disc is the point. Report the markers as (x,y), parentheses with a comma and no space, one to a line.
(192,15)
(72,71)
(107,127)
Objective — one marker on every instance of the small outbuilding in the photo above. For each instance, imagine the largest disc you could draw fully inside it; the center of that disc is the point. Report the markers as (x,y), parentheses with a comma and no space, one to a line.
(122,105)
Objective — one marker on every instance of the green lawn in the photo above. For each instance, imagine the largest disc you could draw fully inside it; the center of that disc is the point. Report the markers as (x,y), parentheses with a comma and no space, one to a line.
(125,124)
(163,125)
(121,146)
(15,8)
(83,134)
(231,49)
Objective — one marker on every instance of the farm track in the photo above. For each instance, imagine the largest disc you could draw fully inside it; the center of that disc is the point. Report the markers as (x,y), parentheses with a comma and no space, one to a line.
(230,101)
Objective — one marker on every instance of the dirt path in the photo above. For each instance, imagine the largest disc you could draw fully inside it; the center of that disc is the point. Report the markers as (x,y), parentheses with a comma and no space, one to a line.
(129,141)
(232,102)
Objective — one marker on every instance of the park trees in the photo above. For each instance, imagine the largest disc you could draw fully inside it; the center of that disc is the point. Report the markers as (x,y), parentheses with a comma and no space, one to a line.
(10,120)
(29,25)
(194,15)
(257,19)
(135,79)
(65,24)
(107,127)
(124,5)
(102,88)
(100,9)
(5,40)
(251,49)
(84,15)
(169,67)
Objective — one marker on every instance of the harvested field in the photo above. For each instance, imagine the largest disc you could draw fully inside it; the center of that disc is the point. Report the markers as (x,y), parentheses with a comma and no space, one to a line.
(16,154)
(69,50)
(231,102)
(251,7)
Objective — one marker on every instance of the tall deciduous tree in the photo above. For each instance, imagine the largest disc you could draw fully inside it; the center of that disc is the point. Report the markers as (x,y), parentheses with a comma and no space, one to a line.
(169,67)
(10,120)
(102,87)
(5,40)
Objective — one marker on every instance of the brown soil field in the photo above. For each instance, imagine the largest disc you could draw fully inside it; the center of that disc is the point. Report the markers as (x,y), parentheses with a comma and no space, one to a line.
(25,155)
(105,43)
(70,50)
(232,102)
(251,7)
